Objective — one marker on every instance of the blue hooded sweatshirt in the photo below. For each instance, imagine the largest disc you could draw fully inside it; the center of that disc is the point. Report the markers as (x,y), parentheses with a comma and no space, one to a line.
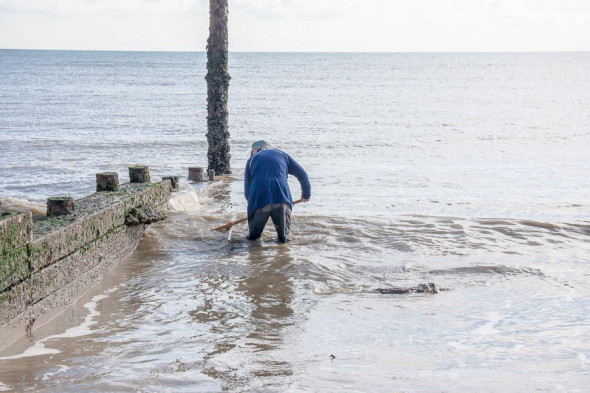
(265,179)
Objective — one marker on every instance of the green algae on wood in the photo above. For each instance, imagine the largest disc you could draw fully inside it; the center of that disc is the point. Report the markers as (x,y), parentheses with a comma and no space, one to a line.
(144,214)
(14,267)
(16,230)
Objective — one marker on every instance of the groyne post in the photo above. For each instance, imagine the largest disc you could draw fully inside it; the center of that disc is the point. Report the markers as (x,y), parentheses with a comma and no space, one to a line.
(107,181)
(59,206)
(139,174)
(217,88)
(196,174)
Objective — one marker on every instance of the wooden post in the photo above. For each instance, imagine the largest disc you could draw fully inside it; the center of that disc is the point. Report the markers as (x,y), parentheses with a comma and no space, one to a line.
(139,174)
(217,88)
(59,206)
(174,181)
(211,174)
(107,181)
(196,174)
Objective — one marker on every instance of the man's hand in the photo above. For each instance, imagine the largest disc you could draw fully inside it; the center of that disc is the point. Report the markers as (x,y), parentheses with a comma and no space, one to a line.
(304,199)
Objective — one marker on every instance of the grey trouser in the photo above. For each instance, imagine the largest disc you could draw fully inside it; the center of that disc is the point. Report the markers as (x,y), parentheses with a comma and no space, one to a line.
(281,218)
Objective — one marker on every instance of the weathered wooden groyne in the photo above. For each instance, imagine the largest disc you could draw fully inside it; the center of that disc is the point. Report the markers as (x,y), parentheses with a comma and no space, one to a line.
(48,262)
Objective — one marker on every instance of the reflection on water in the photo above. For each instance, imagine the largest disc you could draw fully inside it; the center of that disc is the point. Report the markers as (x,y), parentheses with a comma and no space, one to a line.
(249,314)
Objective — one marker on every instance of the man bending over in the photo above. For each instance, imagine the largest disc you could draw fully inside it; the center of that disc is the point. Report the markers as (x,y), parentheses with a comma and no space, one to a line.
(267,190)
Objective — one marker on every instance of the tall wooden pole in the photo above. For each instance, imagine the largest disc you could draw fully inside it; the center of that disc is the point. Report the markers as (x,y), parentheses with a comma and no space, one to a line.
(217,88)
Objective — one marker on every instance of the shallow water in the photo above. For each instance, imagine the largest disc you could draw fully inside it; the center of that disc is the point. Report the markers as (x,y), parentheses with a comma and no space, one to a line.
(468,171)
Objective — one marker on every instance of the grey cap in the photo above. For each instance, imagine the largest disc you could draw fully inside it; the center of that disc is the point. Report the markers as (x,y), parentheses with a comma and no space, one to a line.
(259,144)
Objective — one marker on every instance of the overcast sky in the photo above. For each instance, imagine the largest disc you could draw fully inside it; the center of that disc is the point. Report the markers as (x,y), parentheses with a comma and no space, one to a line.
(300,25)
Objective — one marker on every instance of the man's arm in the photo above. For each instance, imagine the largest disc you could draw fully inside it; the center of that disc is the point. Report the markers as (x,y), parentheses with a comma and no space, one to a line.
(297,170)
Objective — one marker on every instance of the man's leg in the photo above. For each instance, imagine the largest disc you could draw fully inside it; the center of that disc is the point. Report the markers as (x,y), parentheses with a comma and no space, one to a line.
(257,223)
(281,218)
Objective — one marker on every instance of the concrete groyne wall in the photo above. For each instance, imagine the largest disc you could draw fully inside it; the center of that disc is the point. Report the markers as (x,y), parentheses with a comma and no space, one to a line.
(47,263)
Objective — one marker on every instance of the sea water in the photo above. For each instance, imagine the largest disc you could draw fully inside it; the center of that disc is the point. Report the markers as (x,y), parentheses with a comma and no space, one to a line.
(465,170)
